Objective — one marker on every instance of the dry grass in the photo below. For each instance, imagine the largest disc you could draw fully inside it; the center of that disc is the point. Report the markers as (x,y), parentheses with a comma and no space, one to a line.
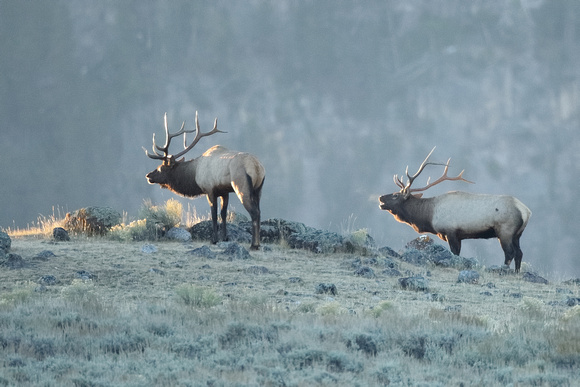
(171,318)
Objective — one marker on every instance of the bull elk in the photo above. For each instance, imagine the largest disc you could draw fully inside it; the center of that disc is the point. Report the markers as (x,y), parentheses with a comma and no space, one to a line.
(215,173)
(455,216)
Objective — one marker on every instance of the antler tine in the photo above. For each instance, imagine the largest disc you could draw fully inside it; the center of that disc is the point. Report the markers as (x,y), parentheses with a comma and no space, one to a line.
(398,182)
(421,167)
(198,136)
(443,177)
(168,137)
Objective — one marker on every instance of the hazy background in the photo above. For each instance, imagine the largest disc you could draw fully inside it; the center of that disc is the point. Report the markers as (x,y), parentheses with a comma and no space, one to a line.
(333,96)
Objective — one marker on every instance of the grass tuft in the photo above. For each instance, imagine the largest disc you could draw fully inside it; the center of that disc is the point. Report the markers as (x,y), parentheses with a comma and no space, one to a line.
(197,297)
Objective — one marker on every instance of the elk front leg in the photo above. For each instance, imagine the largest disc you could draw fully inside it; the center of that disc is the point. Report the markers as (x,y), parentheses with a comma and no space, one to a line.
(213,207)
(224,214)
(454,244)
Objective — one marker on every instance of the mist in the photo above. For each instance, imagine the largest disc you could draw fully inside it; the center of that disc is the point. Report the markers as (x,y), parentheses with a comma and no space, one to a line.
(333,97)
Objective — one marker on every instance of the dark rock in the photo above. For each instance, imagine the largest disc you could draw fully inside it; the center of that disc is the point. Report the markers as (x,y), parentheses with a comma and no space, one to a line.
(203,251)
(387,252)
(516,295)
(5,241)
(360,242)
(420,243)
(203,231)
(388,263)
(85,275)
(574,281)
(295,280)
(500,270)
(47,280)
(416,283)
(259,270)
(44,255)
(390,272)
(276,230)
(60,234)
(468,276)
(92,220)
(13,261)
(241,233)
(179,234)
(438,254)
(463,262)
(415,257)
(365,271)
(533,277)
(573,301)
(326,289)
(317,241)
(486,293)
(235,251)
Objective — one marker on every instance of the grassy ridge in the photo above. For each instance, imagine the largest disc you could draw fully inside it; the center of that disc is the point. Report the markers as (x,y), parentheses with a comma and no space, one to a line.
(171,318)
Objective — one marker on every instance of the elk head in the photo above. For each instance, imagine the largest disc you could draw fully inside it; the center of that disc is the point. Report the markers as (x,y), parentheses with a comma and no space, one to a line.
(394,201)
(162,174)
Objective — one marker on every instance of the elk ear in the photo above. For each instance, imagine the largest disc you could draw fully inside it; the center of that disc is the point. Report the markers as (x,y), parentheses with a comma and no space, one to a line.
(181,159)
(418,196)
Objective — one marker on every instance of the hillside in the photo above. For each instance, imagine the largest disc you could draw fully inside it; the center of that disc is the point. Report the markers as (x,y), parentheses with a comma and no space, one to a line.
(95,312)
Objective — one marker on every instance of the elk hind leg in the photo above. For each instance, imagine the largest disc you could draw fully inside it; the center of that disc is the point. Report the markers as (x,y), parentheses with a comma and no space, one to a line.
(519,255)
(250,198)
(510,252)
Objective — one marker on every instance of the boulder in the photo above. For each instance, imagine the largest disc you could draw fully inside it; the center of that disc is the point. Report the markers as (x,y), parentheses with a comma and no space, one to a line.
(92,220)
(179,234)
(417,283)
(468,276)
(5,241)
(317,241)
(60,234)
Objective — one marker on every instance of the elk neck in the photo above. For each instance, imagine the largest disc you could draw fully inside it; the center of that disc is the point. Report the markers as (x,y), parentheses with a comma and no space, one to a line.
(182,179)
(417,213)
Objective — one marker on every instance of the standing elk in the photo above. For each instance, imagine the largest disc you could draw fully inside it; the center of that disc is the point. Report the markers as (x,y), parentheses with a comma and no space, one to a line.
(455,216)
(215,173)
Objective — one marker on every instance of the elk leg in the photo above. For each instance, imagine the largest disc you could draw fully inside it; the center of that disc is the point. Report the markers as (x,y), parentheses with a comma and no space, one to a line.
(519,254)
(250,198)
(224,213)
(510,253)
(213,207)
(454,244)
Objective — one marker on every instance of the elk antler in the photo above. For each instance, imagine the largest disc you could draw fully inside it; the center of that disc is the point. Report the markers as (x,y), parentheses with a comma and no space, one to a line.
(407,188)
(169,136)
(198,136)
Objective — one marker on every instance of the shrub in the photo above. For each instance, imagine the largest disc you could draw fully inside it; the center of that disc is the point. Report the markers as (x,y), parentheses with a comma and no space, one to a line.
(197,297)
(381,307)
(17,296)
(154,222)
(331,309)
(166,216)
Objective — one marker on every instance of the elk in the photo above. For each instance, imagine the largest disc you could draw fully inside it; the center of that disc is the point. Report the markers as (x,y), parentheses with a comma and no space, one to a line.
(455,215)
(216,173)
